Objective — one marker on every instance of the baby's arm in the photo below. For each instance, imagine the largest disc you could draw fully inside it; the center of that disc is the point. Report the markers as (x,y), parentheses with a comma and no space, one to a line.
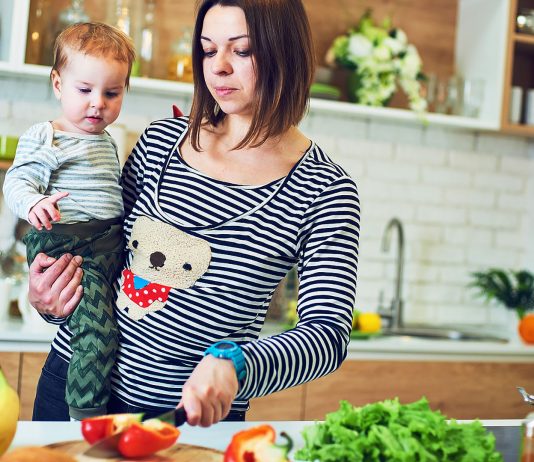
(27,180)
(46,211)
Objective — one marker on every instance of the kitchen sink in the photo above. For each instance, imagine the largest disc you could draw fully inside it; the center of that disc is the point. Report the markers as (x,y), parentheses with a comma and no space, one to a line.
(444,333)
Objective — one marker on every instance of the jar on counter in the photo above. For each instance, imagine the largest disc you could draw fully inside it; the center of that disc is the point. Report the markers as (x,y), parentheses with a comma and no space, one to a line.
(525,21)
(180,65)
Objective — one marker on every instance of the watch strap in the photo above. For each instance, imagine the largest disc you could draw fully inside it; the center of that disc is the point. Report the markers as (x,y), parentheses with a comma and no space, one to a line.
(234,353)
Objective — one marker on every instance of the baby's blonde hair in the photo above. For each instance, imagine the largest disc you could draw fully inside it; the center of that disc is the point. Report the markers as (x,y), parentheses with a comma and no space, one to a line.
(94,39)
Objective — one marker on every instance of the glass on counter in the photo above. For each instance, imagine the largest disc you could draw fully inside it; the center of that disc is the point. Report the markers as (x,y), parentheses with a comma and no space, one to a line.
(180,65)
(455,95)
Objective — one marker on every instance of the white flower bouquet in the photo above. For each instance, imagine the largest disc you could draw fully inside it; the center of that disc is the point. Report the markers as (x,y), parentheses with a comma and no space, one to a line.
(380,59)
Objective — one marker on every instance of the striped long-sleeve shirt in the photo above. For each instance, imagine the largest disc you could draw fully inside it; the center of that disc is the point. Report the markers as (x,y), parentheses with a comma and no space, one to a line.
(50,161)
(256,234)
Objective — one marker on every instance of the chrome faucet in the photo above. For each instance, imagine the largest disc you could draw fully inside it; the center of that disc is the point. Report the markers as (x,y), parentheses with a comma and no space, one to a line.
(394,313)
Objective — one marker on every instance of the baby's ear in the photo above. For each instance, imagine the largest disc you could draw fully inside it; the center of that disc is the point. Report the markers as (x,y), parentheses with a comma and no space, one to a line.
(56,83)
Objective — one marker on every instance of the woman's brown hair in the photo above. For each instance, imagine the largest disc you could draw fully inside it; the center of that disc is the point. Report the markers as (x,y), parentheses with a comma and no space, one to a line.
(94,39)
(284,62)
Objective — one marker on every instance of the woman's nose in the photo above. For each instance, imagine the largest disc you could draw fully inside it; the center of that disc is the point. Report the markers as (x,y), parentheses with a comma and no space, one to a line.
(221,64)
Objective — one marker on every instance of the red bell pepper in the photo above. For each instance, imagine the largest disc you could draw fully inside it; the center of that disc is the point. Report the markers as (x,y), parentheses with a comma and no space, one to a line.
(144,439)
(97,428)
(257,444)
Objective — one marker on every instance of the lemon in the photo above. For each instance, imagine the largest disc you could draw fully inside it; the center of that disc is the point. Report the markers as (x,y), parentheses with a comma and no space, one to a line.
(369,323)
(9,406)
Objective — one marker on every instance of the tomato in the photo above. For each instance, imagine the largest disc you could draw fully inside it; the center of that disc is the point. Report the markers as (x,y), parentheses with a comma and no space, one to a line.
(144,439)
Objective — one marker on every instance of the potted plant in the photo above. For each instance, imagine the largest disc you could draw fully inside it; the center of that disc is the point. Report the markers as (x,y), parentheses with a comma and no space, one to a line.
(514,289)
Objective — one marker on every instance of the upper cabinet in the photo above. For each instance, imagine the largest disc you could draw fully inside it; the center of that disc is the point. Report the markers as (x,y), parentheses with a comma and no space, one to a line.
(519,70)
(475,40)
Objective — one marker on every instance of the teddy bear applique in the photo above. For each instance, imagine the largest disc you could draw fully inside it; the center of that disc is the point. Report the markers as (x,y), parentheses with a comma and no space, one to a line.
(164,257)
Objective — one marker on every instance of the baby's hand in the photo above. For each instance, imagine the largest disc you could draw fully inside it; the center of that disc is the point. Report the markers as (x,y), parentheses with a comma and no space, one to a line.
(46,211)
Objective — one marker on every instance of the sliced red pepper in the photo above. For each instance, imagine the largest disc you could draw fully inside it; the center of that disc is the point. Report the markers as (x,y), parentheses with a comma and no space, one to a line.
(257,444)
(144,439)
(96,428)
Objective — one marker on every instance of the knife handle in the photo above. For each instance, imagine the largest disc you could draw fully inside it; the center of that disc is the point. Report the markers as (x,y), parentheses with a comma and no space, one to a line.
(180,416)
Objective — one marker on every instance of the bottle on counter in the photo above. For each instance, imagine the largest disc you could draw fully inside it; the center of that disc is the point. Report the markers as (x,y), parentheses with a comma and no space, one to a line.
(148,39)
(125,15)
(38,34)
(181,63)
(527,439)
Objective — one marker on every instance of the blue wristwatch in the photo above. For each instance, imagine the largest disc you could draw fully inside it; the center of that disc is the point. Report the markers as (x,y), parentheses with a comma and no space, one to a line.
(226,349)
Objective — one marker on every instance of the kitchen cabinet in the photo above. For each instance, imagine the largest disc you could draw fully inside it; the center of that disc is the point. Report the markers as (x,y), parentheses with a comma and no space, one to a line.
(473,45)
(30,371)
(459,389)
(518,71)
(10,363)
(283,405)
(22,370)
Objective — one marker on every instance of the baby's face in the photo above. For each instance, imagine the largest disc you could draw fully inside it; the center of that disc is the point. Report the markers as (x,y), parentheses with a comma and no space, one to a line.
(90,90)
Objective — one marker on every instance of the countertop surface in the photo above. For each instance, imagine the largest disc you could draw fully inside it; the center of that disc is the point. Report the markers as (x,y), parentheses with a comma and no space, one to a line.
(219,435)
(37,335)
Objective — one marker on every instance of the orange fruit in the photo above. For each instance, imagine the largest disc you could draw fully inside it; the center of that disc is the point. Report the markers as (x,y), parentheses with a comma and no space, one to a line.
(526,328)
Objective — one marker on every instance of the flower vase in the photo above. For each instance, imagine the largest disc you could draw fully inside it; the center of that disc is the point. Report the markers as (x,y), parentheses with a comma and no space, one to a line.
(513,327)
(353,85)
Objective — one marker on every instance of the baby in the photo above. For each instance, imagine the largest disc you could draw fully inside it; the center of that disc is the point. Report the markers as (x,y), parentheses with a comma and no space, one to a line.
(73,160)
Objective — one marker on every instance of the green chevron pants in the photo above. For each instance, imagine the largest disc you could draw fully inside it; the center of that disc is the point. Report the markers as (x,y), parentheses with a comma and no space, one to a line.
(94,331)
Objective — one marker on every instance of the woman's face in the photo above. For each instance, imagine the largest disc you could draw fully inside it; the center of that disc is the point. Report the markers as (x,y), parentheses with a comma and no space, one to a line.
(228,64)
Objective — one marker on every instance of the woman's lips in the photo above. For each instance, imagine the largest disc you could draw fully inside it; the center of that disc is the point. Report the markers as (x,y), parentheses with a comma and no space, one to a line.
(224,91)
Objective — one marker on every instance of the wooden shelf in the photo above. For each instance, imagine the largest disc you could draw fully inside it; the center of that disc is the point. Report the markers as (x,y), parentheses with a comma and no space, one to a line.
(518,129)
(526,39)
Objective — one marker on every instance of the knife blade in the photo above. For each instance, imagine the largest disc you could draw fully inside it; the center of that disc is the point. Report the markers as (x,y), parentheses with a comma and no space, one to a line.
(108,447)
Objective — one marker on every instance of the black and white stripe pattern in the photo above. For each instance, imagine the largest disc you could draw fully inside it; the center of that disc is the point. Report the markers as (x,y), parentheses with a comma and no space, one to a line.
(50,161)
(256,233)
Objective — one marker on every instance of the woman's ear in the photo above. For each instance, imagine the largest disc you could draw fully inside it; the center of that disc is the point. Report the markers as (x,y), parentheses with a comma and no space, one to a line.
(56,84)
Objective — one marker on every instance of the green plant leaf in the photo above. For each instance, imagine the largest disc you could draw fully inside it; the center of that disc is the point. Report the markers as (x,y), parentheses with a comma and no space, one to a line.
(514,289)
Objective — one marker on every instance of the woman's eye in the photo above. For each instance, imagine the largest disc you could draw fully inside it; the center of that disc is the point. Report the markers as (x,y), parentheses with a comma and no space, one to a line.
(209,53)
(243,54)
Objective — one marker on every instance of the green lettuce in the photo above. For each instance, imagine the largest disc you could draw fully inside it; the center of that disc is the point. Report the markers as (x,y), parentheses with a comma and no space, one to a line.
(388,431)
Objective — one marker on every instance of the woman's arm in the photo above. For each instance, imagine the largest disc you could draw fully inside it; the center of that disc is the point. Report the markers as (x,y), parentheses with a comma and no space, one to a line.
(328,260)
(55,286)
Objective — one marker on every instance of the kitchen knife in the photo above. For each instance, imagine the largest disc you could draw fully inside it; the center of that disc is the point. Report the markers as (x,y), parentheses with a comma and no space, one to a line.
(108,447)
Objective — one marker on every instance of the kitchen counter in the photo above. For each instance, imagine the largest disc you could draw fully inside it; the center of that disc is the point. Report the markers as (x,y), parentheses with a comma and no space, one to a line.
(37,336)
(218,436)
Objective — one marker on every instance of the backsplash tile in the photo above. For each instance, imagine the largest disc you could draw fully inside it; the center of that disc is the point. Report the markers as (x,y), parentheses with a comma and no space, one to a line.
(466,199)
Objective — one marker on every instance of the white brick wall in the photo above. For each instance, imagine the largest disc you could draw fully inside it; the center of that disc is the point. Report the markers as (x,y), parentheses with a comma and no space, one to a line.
(466,199)
(467,203)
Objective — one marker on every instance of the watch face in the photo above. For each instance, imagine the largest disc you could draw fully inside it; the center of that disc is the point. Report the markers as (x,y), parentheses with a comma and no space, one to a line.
(225,346)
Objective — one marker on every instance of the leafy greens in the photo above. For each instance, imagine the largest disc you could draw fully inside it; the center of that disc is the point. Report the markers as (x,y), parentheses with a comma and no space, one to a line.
(388,431)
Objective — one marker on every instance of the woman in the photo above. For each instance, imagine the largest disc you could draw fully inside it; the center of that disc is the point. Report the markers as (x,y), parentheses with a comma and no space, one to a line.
(252,197)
